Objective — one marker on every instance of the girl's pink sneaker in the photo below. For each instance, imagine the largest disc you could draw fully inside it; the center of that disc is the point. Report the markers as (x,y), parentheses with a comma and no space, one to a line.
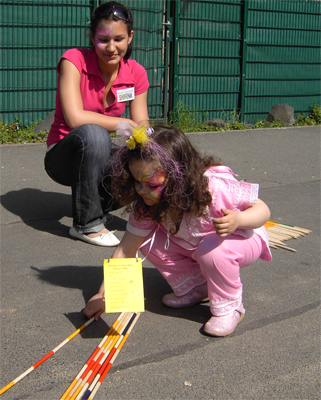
(223,326)
(194,296)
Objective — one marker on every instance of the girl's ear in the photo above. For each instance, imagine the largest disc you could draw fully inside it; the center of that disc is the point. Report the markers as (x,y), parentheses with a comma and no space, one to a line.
(130,37)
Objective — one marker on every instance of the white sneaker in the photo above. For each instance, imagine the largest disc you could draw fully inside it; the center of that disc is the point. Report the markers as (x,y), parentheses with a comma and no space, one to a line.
(105,239)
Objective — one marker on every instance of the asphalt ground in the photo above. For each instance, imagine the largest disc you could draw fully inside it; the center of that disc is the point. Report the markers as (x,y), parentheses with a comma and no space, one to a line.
(47,277)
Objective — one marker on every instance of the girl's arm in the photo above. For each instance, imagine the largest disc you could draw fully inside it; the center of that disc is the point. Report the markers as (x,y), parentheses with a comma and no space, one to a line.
(253,217)
(72,104)
(127,248)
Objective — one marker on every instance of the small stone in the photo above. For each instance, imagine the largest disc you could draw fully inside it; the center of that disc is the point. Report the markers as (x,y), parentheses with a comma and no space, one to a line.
(217,122)
(282,112)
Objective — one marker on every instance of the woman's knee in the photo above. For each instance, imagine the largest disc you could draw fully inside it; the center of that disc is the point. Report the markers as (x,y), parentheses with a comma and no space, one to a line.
(93,135)
(95,141)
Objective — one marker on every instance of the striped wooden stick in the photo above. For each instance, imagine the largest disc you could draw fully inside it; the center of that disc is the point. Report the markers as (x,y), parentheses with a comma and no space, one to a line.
(107,366)
(106,358)
(278,232)
(97,365)
(276,245)
(91,357)
(77,387)
(291,227)
(52,352)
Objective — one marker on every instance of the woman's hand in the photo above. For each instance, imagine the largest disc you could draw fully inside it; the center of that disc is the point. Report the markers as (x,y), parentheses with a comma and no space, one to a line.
(95,306)
(226,225)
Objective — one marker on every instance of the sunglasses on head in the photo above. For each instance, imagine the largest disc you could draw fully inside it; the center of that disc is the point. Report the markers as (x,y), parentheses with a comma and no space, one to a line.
(117,12)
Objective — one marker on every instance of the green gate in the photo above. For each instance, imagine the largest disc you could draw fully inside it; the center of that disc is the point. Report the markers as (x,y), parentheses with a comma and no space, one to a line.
(281,56)
(214,57)
(208,71)
(245,56)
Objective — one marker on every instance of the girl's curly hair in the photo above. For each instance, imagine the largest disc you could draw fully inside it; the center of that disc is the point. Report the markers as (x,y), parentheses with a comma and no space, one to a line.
(186,190)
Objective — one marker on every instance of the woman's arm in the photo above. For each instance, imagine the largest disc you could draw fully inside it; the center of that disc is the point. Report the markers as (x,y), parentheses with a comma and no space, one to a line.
(253,217)
(72,104)
(138,109)
(127,248)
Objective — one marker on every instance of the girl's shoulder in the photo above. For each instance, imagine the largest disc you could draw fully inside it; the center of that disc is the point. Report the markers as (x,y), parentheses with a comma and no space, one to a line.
(130,70)
(140,227)
(134,66)
(72,54)
(83,58)
(224,187)
(133,63)
(220,171)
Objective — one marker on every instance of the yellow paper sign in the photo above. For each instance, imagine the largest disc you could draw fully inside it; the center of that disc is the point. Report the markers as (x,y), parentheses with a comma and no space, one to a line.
(123,280)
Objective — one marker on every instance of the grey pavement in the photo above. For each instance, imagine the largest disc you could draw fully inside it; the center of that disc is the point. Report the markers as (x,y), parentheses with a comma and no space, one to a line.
(47,277)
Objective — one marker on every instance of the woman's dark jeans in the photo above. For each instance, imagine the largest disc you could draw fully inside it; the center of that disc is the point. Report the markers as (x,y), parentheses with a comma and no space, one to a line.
(80,160)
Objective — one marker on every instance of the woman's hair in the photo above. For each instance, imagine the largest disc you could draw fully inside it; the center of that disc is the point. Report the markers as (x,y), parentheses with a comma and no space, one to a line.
(186,190)
(113,11)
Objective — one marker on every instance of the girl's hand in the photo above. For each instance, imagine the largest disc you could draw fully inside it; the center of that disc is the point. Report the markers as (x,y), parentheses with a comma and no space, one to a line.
(226,225)
(127,248)
(253,217)
(95,306)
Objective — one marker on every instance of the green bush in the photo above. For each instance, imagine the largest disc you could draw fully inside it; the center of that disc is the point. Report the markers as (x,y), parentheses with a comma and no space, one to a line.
(315,113)
(184,118)
(15,132)
(187,120)
(314,118)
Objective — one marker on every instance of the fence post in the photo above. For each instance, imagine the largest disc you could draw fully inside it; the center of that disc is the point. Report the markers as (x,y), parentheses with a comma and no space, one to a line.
(243,58)
(174,59)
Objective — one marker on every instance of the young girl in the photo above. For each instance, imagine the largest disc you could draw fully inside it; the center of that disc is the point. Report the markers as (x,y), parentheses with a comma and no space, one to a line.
(94,86)
(204,225)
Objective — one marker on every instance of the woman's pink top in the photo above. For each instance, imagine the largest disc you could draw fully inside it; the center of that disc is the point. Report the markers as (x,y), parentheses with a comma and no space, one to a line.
(227,192)
(92,87)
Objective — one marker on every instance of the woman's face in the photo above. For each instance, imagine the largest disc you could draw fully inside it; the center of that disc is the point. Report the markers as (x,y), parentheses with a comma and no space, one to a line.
(149,181)
(111,41)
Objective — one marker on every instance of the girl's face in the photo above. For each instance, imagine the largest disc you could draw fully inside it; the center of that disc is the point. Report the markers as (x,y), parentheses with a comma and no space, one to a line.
(149,181)
(111,41)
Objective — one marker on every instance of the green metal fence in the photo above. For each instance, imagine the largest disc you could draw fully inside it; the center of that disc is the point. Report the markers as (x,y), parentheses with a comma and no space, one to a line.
(34,34)
(283,56)
(213,57)
(209,67)
(148,45)
(245,57)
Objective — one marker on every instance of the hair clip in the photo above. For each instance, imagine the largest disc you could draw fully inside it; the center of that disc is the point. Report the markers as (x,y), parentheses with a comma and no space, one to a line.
(139,136)
(150,131)
(134,136)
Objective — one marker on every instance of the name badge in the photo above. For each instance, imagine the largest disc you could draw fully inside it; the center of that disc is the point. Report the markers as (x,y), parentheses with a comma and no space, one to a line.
(125,94)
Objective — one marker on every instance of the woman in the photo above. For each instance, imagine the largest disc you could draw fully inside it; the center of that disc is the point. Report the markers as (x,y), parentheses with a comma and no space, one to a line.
(94,86)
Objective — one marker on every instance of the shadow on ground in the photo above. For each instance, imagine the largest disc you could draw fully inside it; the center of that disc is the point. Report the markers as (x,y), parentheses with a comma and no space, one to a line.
(44,210)
(88,280)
